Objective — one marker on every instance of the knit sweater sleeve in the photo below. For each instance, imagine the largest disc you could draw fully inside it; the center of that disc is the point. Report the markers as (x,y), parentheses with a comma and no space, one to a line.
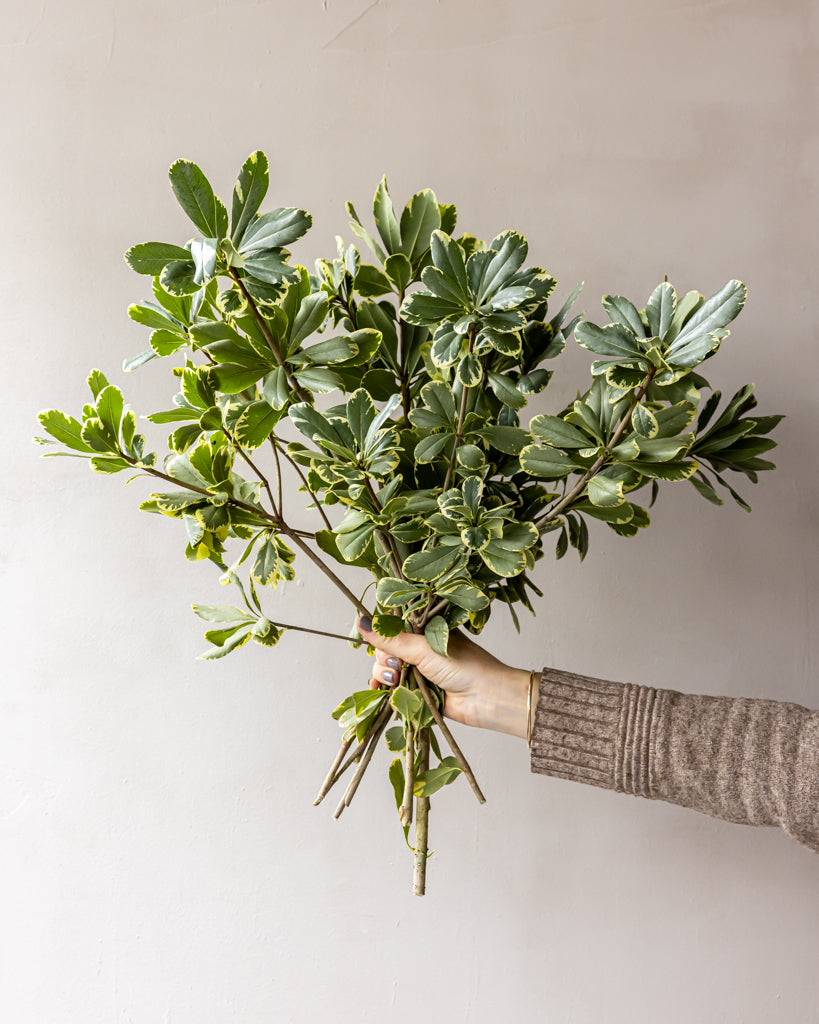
(755,762)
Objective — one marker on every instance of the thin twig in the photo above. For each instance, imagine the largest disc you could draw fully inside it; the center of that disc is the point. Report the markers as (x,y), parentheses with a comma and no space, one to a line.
(461,418)
(268,336)
(331,775)
(317,632)
(359,773)
(278,475)
(355,755)
(419,877)
(405,811)
(439,721)
(303,478)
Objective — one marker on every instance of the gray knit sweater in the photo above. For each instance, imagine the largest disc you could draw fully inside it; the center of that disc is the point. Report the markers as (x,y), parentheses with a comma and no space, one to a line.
(750,761)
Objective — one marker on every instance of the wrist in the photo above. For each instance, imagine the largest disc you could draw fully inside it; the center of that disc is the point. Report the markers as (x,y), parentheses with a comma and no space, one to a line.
(504,708)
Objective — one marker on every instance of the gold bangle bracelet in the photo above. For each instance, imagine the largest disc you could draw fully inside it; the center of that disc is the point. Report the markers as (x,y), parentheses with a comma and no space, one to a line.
(529,721)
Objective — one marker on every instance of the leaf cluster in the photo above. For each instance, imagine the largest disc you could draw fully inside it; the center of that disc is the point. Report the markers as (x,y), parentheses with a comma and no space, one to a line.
(406,371)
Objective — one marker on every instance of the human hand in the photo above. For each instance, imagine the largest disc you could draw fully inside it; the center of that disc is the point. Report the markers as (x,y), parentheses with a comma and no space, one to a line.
(480,690)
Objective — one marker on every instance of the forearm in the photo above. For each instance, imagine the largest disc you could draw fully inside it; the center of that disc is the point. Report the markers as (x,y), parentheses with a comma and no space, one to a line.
(749,761)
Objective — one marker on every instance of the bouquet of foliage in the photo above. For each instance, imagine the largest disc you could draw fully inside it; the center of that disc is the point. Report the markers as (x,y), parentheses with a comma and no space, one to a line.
(422,473)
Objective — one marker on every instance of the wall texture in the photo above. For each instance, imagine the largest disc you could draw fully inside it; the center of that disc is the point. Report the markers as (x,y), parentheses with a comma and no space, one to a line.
(160,860)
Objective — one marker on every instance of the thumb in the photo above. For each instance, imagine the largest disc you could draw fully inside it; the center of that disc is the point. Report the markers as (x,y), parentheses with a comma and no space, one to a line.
(409,647)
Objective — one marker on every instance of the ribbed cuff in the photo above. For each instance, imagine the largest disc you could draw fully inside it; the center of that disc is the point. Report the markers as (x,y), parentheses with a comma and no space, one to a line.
(593,731)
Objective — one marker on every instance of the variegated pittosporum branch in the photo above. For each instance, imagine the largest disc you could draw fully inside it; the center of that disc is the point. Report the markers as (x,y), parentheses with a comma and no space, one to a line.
(423,362)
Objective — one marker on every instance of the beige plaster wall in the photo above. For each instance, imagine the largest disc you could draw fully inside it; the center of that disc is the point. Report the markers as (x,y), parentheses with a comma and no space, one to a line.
(160,860)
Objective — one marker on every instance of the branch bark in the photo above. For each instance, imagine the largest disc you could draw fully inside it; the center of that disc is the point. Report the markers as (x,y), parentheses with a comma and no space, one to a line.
(419,879)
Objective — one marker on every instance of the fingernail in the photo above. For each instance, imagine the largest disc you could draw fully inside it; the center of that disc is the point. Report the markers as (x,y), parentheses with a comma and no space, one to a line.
(366,623)
(388,677)
(392,662)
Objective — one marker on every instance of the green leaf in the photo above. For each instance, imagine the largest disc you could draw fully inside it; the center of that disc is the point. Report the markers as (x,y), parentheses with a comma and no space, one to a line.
(469,372)
(381,384)
(371,281)
(266,633)
(360,414)
(545,462)
(203,251)
(165,343)
(429,565)
(660,309)
(96,382)
(177,277)
(318,379)
(448,259)
(471,457)
(396,776)
(694,350)
(705,488)
(613,341)
(268,266)
(624,378)
(221,613)
(256,424)
(333,350)
(510,440)
(427,310)
(312,313)
(276,389)
(354,543)
(621,311)
(180,468)
(464,595)
(387,625)
(488,271)
(399,270)
(663,449)
(420,218)
(110,408)
(503,561)
(408,703)
(438,398)
(737,498)
(361,232)
(557,432)
(276,229)
(151,257)
(327,541)
(317,427)
(64,429)
(505,390)
(227,640)
(248,193)
(644,422)
(195,195)
(385,221)
(666,470)
(429,782)
(231,378)
(436,632)
(433,447)
(714,314)
(393,592)
(270,565)
(605,491)
(396,740)
(519,536)
(381,421)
